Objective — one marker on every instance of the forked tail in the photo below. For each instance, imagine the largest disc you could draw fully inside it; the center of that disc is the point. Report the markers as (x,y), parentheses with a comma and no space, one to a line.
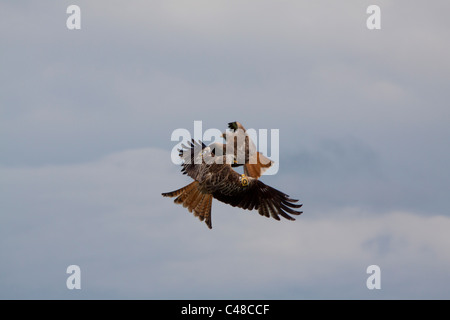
(194,200)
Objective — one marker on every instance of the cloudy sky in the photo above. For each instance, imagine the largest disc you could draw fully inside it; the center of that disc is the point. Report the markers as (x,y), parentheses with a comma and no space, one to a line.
(85,139)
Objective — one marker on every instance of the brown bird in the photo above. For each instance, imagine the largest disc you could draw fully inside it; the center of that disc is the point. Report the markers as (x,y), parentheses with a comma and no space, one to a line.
(214,177)
(238,142)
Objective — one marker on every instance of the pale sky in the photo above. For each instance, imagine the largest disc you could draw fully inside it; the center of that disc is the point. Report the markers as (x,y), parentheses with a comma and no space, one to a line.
(85,133)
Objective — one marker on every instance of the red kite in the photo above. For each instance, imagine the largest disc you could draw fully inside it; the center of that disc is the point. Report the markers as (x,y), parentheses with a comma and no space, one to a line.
(214,177)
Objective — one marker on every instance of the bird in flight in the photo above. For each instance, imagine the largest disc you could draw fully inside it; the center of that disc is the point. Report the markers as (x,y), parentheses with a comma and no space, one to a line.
(238,142)
(214,177)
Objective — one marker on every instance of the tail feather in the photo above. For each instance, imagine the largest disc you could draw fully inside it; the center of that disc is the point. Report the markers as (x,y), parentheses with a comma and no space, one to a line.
(207,212)
(200,207)
(256,168)
(182,197)
(194,200)
(190,197)
(179,191)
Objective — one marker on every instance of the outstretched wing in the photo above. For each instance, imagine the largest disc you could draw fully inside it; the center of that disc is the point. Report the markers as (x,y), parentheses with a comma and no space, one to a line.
(269,201)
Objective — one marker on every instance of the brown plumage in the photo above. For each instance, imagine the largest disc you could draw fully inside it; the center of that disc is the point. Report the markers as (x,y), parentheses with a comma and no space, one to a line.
(244,149)
(215,178)
(192,198)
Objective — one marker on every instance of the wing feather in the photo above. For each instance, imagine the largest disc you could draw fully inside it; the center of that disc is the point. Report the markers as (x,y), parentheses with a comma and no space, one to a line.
(269,201)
